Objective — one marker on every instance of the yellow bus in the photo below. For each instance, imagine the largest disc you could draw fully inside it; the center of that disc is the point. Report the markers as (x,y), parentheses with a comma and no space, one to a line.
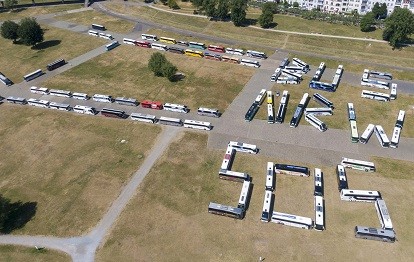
(269,97)
(168,40)
(190,52)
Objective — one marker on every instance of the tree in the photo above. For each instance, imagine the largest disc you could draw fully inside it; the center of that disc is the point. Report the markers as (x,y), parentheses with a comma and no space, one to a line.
(197,3)
(173,4)
(376,10)
(10,4)
(266,18)
(164,2)
(9,30)
(367,22)
(209,7)
(383,11)
(30,32)
(223,8)
(398,27)
(238,12)
(156,62)
(295,4)
(169,70)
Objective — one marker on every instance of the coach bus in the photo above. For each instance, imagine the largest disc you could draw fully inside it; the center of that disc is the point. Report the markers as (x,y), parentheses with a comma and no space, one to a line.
(233,60)
(294,122)
(56,64)
(227,162)
(322,100)
(215,48)
(244,147)
(305,66)
(324,111)
(175,108)
(39,90)
(176,50)
(319,213)
(251,112)
(5,80)
(396,133)
(358,164)
(80,96)
(223,210)
(168,40)
(126,101)
(143,118)
(341,177)
(212,56)
(233,175)
(129,41)
(284,63)
(256,54)
(270,114)
(339,70)
(382,137)
(151,104)
(170,121)
(159,47)
(149,37)
(400,119)
(38,103)
(61,93)
(282,107)
(244,196)
(294,68)
(16,100)
(112,45)
(291,170)
(87,110)
(106,36)
(196,45)
(315,122)
(321,86)
(234,51)
(197,125)
(381,75)
(292,220)
(108,112)
(93,33)
(143,44)
(354,131)
(351,112)
(194,53)
(251,63)
(203,111)
(33,75)
(102,98)
(318,182)
(383,215)
(270,176)
(360,195)
(98,27)
(260,97)
(267,206)
(377,234)
(59,106)
(367,134)
(335,81)
(375,83)
(375,95)
(291,74)
(393,93)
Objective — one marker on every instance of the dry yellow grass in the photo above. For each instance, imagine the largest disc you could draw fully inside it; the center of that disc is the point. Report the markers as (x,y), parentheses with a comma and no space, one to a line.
(168,218)
(16,253)
(124,72)
(72,166)
(34,11)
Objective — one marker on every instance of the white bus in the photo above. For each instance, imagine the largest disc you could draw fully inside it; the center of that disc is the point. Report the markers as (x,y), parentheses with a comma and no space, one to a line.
(393,93)
(267,206)
(294,68)
(80,96)
(244,196)
(143,118)
(251,63)
(382,137)
(375,83)
(59,106)
(292,74)
(87,110)
(315,122)
(270,176)
(38,103)
(233,175)
(149,37)
(396,133)
(381,75)
(197,124)
(102,98)
(106,36)
(323,101)
(367,134)
(400,119)
(377,234)
(126,101)
(375,95)
(351,112)
(16,100)
(5,80)
(341,177)
(360,195)
(292,220)
(287,81)
(282,107)
(319,214)
(93,33)
(62,93)
(33,75)
(128,41)
(159,46)
(244,147)
(203,111)
(294,122)
(256,54)
(383,215)
(228,158)
(260,97)
(302,64)
(335,81)
(111,45)
(354,131)
(358,164)
(270,114)
(234,51)
(324,111)
(284,62)
(223,210)
(339,70)
(170,121)
(318,182)
(175,108)
(292,170)
(39,90)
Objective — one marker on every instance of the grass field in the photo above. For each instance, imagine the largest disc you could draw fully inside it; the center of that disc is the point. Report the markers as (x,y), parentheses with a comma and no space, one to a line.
(69,167)
(168,218)
(124,72)
(16,253)
(367,111)
(34,11)
(19,60)
(358,50)
(93,17)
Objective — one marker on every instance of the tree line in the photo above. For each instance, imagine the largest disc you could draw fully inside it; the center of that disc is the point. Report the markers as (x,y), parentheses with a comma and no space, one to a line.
(28,31)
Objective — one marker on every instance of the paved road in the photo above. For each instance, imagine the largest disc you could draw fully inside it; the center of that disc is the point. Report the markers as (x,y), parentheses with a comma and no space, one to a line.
(83,248)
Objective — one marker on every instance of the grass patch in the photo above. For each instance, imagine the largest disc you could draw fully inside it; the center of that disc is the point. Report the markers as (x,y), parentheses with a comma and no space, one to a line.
(368,111)
(178,189)
(19,60)
(71,166)
(16,253)
(34,11)
(93,17)
(395,169)
(124,72)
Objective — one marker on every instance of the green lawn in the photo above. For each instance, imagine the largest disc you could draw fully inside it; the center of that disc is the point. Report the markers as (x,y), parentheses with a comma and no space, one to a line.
(17,253)
(19,60)
(19,13)
(124,72)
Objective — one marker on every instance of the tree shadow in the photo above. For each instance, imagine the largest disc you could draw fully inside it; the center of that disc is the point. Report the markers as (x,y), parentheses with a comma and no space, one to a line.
(46,44)
(15,215)
(250,21)
(13,11)
(272,25)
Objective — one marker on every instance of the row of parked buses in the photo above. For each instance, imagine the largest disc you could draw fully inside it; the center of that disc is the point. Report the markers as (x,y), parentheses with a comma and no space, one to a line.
(386,233)
(109,112)
(125,101)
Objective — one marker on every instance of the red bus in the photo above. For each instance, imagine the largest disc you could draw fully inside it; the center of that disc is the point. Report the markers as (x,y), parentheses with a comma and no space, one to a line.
(151,104)
(212,56)
(216,48)
(143,44)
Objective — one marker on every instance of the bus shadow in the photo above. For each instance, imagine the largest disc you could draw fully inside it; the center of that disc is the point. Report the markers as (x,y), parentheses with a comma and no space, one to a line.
(46,44)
